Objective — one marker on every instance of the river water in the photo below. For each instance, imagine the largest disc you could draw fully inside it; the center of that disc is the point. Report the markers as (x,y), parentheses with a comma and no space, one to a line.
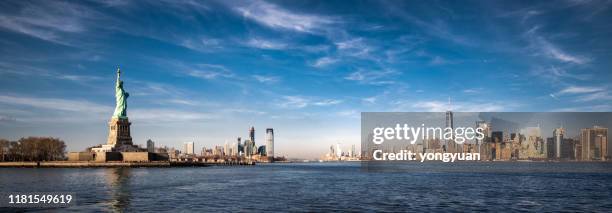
(323,187)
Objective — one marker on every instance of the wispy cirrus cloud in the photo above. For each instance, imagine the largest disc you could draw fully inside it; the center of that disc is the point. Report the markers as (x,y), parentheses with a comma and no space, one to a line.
(276,17)
(298,102)
(161,115)
(473,90)
(56,104)
(324,61)
(579,90)
(266,79)
(266,44)
(49,21)
(373,77)
(210,71)
(439,106)
(544,47)
(584,93)
(355,47)
(554,52)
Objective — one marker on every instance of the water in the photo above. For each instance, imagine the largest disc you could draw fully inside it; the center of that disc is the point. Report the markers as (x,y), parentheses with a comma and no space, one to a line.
(323,187)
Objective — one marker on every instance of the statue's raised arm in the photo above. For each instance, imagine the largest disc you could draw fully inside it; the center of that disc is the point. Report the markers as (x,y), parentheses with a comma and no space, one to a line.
(118,76)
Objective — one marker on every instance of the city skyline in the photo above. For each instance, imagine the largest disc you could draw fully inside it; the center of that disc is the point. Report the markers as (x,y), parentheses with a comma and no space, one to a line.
(207,71)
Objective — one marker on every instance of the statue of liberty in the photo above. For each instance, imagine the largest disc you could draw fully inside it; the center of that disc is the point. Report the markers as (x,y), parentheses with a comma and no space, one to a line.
(121,95)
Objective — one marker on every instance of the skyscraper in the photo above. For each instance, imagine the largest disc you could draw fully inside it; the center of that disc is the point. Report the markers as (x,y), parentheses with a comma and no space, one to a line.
(486,130)
(449,145)
(188,148)
(226,149)
(249,147)
(338,150)
(252,134)
(150,146)
(558,133)
(270,143)
(239,146)
(594,143)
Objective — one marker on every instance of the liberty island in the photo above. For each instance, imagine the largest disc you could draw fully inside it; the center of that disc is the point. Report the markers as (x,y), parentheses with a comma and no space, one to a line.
(120,151)
(119,138)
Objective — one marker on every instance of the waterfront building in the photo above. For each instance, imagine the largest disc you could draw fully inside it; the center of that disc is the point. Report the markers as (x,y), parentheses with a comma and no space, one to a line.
(240,146)
(261,150)
(550,146)
(594,143)
(496,140)
(252,134)
(558,134)
(338,150)
(450,145)
(249,147)
(218,151)
(150,146)
(270,143)
(486,130)
(188,148)
(234,150)
(567,148)
(533,146)
(226,149)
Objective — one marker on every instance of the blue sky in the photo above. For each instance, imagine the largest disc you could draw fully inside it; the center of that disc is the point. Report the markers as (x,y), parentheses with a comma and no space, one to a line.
(205,71)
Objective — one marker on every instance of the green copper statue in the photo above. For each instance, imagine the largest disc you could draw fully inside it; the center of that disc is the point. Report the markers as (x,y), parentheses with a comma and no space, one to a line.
(121,95)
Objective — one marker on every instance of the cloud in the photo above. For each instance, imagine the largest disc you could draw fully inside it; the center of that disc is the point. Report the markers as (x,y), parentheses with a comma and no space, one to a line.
(438,60)
(559,74)
(298,102)
(548,49)
(554,52)
(438,106)
(49,20)
(266,79)
(157,116)
(596,96)
(370,100)
(327,102)
(186,102)
(324,61)
(590,108)
(355,47)
(472,90)
(349,113)
(378,77)
(266,44)
(202,44)
(275,17)
(56,104)
(294,102)
(585,94)
(579,90)
(80,78)
(210,71)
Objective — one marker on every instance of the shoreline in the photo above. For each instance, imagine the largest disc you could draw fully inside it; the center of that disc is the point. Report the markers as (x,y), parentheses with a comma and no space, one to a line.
(91,164)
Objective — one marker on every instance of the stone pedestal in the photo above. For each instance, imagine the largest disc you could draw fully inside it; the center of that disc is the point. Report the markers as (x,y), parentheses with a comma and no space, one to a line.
(119,134)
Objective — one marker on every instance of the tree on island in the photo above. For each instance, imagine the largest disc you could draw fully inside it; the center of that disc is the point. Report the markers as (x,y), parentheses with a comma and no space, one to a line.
(32,149)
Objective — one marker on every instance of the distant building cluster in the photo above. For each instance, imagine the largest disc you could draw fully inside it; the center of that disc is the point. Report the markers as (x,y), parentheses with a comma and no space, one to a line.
(336,154)
(591,144)
(528,144)
(239,150)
